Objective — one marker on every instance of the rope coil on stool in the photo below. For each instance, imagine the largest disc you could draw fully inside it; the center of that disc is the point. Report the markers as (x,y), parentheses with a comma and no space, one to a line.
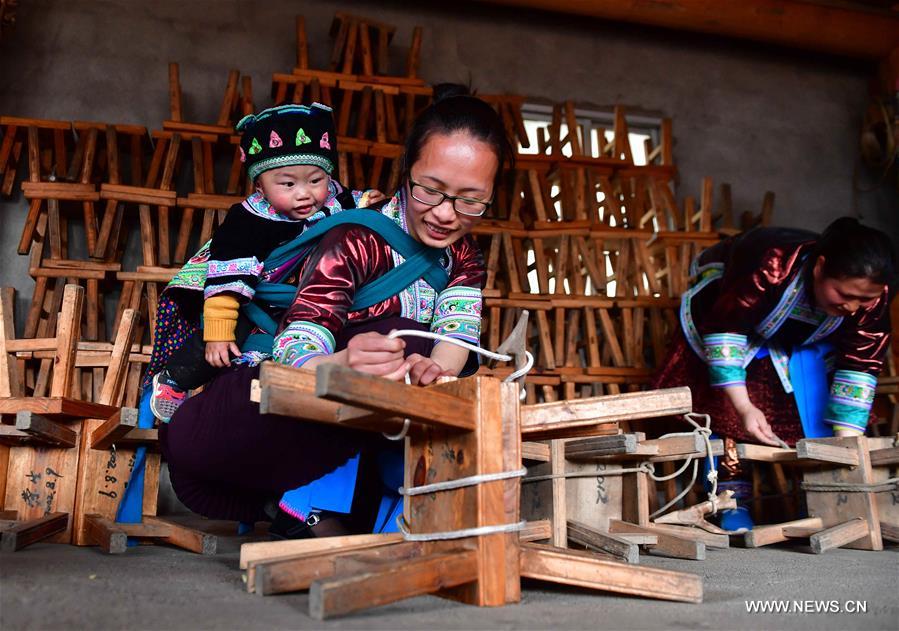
(887,486)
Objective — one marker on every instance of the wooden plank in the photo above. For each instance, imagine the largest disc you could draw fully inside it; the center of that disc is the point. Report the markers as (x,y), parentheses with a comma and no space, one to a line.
(799,532)
(766,535)
(510,430)
(11,383)
(559,505)
(839,454)
(711,540)
(45,430)
(297,570)
(60,191)
(67,334)
(667,545)
(563,415)
(291,392)
(605,542)
(106,534)
(584,569)
(839,535)
(25,533)
(886,457)
(538,452)
(537,530)
(655,450)
(56,407)
(889,532)
(485,504)
(113,429)
(764,453)
(297,573)
(43,480)
(391,582)
(267,550)
(138,195)
(182,536)
(113,384)
(426,405)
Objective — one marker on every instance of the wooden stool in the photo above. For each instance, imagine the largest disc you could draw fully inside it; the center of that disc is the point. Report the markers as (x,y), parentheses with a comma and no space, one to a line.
(39,454)
(458,429)
(62,453)
(611,513)
(842,480)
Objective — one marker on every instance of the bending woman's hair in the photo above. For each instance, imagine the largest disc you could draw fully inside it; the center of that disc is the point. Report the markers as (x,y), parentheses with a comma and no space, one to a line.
(455,110)
(851,250)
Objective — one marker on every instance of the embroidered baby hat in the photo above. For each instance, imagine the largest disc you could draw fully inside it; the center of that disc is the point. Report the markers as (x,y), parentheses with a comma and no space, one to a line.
(287,135)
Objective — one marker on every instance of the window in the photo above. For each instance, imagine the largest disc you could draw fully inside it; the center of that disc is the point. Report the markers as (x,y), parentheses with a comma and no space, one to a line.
(643,132)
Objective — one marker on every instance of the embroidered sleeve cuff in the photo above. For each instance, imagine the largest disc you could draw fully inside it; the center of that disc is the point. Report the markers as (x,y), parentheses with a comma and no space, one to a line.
(236,276)
(457,313)
(300,342)
(249,266)
(234,287)
(724,353)
(851,398)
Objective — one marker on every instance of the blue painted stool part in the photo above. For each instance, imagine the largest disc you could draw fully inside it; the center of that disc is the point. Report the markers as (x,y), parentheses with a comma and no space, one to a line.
(130,509)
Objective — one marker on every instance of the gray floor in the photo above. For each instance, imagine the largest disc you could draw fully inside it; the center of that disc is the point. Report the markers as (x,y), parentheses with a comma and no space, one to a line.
(54,587)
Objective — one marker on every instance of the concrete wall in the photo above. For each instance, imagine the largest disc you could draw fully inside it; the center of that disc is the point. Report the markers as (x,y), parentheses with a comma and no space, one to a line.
(759,118)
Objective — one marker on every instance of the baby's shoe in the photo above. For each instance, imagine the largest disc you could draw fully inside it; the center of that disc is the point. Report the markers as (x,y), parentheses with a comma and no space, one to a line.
(736,520)
(167,397)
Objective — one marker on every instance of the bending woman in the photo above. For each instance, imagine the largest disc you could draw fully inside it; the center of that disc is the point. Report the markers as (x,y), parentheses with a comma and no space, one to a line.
(227,460)
(784,334)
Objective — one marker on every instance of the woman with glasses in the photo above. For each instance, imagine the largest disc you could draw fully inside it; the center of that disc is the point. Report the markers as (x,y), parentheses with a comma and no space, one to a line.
(228,461)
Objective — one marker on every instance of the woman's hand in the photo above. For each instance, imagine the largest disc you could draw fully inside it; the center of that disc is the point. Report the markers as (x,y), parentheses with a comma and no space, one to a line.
(754,421)
(756,425)
(217,353)
(425,370)
(377,354)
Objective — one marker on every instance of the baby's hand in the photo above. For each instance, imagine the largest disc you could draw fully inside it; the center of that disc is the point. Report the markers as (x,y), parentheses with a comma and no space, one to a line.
(375,196)
(217,353)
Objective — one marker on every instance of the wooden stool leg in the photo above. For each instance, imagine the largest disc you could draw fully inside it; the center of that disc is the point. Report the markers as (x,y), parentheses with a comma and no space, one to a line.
(184,537)
(391,582)
(27,532)
(105,534)
(587,570)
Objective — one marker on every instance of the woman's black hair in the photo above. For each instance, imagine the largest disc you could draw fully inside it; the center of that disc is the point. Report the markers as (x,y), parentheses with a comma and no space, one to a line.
(455,110)
(851,250)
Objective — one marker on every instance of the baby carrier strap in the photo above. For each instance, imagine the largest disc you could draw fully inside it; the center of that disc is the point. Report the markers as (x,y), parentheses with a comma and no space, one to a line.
(420,261)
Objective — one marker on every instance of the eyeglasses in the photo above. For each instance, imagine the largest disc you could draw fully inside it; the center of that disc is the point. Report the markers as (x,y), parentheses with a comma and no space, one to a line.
(462,205)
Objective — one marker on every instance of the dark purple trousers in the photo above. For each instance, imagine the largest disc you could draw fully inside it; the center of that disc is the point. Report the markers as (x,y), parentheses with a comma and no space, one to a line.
(226,460)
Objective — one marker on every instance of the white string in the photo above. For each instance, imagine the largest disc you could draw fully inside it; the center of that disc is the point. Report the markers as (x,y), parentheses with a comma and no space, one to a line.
(529,363)
(479,531)
(471,347)
(712,476)
(402,433)
(649,468)
(462,482)
(645,467)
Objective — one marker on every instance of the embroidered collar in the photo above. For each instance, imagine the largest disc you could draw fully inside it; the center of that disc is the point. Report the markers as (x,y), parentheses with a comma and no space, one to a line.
(396,209)
(794,303)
